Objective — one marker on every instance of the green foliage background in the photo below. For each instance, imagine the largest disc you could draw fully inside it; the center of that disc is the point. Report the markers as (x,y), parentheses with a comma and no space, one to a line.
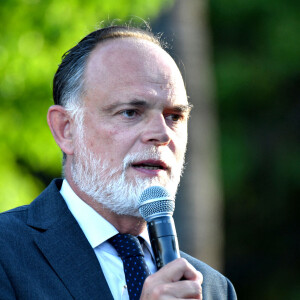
(257,66)
(34,35)
(256,61)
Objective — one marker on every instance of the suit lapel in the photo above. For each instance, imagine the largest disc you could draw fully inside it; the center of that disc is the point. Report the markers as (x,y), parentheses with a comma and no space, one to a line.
(64,245)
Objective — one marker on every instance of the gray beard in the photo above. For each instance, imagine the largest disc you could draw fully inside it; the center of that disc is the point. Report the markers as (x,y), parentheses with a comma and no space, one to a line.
(111,187)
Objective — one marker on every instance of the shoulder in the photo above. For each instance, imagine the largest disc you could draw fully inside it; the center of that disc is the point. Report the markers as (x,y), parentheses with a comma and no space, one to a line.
(14,218)
(14,233)
(17,221)
(215,285)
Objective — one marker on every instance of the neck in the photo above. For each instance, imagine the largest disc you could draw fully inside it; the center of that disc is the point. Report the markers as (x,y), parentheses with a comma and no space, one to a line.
(123,223)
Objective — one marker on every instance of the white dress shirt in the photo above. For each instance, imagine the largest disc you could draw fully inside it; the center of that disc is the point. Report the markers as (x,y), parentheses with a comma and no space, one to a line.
(97,231)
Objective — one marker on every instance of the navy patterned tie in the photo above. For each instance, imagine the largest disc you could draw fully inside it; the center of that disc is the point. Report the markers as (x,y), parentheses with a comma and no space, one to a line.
(135,267)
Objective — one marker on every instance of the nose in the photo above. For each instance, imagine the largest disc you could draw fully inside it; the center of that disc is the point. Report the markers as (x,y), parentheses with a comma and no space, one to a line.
(156,131)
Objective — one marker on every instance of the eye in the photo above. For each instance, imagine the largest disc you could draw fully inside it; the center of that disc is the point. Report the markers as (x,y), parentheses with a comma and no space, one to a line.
(175,117)
(129,113)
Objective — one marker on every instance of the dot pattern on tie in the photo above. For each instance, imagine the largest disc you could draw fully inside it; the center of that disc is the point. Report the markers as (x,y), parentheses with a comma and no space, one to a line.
(135,267)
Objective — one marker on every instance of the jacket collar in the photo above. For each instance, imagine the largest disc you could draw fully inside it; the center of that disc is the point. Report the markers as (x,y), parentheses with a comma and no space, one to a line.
(64,245)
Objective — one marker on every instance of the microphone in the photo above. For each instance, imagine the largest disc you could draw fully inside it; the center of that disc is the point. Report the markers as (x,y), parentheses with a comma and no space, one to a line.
(156,206)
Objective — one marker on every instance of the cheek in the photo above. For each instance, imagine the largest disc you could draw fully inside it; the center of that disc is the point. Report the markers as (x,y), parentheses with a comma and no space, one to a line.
(103,137)
(100,142)
(113,144)
(180,145)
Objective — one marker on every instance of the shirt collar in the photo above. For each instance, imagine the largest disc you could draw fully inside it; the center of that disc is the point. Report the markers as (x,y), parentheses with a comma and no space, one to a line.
(96,229)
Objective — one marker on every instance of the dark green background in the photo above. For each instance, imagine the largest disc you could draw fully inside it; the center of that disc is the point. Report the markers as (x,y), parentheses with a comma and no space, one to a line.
(256,63)
(257,66)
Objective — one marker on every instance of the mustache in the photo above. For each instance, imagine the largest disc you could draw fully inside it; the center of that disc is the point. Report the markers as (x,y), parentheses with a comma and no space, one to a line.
(150,154)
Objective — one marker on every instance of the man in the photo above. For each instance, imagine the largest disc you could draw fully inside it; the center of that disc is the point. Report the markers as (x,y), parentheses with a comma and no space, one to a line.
(120,118)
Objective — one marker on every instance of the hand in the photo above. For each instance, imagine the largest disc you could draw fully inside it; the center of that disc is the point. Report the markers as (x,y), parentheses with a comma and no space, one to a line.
(167,284)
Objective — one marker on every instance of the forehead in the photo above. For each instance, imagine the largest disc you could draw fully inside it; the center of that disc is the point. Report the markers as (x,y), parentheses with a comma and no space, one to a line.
(133,64)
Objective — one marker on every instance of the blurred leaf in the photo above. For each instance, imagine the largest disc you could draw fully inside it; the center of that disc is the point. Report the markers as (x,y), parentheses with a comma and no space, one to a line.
(34,36)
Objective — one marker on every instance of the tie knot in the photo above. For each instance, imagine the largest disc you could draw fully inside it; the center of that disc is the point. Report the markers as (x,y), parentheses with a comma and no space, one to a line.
(126,245)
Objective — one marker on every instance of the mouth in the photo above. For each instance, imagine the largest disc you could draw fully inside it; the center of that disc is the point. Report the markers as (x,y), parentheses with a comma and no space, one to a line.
(151,165)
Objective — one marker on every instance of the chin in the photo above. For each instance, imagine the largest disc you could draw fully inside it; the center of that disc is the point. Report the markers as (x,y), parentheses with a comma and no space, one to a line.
(127,213)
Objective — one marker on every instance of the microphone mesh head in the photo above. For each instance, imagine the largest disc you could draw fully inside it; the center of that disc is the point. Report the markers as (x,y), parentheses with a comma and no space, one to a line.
(155,201)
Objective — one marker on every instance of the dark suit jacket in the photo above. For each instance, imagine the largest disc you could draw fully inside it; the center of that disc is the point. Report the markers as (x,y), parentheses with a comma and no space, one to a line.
(45,255)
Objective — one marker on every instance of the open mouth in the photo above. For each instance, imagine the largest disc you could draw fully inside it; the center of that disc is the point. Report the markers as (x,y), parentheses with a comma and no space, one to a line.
(150,165)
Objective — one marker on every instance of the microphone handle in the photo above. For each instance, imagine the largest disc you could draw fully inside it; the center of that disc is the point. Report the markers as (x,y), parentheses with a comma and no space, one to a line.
(163,240)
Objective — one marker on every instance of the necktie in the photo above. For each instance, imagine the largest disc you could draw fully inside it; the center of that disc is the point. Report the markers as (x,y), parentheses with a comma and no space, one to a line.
(135,267)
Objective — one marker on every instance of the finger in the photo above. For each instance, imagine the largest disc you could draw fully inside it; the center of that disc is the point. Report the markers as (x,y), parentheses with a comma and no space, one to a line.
(180,290)
(180,269)
(178,279)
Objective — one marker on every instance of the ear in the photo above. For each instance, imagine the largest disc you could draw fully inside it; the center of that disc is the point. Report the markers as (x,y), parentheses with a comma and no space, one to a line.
(60,125)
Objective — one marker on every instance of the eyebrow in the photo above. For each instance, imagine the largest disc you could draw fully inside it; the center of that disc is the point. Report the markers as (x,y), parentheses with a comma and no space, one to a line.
(183,108)
(134,102)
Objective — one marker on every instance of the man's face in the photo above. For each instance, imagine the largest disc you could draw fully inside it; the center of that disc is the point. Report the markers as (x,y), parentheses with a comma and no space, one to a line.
(136,110)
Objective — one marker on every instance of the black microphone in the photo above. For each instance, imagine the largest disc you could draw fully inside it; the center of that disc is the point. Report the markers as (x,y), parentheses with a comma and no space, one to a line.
(156,206)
